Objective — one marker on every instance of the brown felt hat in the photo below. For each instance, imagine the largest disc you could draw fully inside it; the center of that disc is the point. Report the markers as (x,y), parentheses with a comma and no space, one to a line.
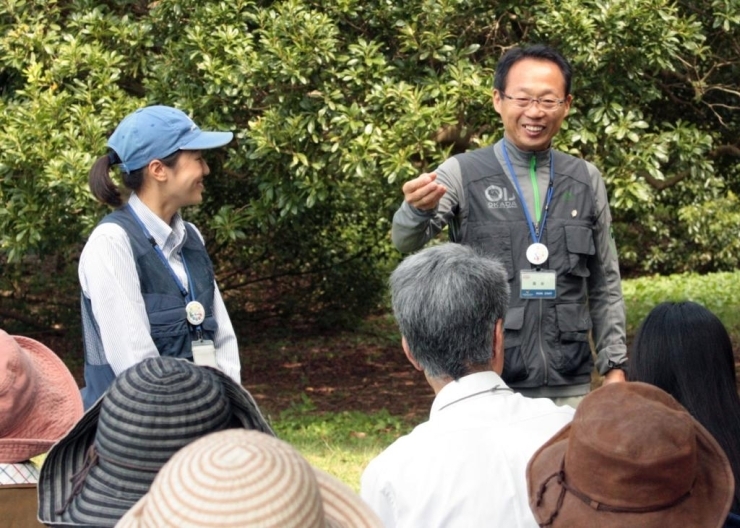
(632,456)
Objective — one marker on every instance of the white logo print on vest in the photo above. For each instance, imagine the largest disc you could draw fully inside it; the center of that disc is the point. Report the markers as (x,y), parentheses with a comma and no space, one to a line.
(499,198)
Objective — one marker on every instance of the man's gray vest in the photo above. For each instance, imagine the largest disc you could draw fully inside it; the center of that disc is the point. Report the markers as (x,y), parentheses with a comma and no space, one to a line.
(165,304)
(546,340)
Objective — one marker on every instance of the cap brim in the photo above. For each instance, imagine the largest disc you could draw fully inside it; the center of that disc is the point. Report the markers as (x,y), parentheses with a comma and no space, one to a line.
(208,140)
(706,506)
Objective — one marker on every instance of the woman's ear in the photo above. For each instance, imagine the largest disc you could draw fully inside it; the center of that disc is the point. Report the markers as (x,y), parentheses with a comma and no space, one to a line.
(157,170)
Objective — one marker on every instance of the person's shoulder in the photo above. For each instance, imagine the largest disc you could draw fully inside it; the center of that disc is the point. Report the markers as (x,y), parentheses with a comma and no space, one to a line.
(454,166)
(401,449)
(477,153)
(533,409)
(191,228)
(105,233)
(592,169)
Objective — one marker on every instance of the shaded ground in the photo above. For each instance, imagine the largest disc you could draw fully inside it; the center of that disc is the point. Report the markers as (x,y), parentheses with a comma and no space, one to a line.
(362,370)
(365,370)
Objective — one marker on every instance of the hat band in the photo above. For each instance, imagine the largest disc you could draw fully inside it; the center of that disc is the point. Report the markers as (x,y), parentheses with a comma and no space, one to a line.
(91,460)
(596,505)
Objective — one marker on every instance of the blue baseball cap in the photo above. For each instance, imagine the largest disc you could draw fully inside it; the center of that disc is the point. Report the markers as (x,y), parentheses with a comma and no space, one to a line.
(155,132)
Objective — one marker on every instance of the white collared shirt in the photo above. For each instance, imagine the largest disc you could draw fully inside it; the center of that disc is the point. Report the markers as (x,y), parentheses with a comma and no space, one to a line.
(465,467)
(108,277)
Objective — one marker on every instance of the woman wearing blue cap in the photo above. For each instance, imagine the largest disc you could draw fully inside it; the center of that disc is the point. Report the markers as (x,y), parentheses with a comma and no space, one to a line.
(147,282)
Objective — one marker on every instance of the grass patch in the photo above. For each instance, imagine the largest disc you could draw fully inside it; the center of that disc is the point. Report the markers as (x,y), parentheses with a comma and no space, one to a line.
(340,443)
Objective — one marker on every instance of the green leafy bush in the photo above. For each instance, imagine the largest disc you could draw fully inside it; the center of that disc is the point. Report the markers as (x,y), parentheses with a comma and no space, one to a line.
(335,105)
(719,292)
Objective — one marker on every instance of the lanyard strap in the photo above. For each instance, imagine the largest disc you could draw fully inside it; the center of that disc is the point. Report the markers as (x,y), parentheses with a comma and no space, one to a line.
(535,187)
(189,296)
(535,229)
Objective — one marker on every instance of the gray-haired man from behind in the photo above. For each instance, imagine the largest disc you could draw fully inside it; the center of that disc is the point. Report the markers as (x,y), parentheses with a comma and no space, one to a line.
(466,465)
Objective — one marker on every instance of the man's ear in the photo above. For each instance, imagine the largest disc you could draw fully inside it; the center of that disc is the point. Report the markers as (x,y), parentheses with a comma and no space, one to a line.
(496,96)
(497,360)
(409,356)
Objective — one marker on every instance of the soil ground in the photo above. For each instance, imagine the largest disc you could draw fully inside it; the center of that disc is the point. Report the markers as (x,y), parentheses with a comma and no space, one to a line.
(361,370)
(364,370)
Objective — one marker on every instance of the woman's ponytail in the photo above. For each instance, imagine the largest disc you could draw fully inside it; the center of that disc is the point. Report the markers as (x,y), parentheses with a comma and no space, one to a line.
(101,184)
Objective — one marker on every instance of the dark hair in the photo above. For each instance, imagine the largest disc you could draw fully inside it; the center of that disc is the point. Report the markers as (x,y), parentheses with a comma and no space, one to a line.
(684,349)
(107,192)
(536,51)
(446,300)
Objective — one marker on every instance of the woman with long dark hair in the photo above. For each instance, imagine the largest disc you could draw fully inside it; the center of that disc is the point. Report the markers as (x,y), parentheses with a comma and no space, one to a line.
(684,349)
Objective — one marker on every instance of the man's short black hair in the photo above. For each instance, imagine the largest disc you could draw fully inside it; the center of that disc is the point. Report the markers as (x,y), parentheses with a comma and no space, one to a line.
(536,51)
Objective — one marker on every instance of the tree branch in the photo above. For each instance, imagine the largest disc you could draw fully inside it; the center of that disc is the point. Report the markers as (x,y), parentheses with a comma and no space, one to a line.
(725,150)
(664,184)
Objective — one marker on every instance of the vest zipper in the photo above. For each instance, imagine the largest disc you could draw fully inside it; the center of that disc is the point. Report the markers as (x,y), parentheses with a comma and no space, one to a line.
(539,341)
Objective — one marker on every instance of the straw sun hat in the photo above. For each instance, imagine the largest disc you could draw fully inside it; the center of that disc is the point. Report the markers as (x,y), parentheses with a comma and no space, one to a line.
(239,478)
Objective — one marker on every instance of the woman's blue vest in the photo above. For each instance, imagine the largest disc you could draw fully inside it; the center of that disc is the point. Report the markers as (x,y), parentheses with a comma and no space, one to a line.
(165,304)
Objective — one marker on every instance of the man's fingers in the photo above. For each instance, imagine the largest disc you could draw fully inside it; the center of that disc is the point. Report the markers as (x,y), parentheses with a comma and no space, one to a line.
(417,183)
(423,192)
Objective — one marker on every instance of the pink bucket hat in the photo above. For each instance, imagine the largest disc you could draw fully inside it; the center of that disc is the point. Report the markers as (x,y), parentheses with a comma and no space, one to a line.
(39,398)
(246,478)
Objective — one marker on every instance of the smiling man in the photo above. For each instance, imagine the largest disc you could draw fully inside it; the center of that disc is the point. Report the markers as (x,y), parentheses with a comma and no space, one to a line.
(545,214)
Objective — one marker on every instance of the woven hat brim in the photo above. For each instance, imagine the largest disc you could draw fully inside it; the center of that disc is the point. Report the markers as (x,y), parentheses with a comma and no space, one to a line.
(243,405)
(67,456)
(58,405)
(342,506)
(707,505)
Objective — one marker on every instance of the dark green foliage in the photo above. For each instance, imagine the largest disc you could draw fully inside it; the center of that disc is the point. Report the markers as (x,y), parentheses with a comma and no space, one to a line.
(335,105)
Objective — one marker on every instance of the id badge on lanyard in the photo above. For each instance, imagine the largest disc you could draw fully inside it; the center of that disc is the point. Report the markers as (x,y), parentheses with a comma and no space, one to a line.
(204,352)
(535,283)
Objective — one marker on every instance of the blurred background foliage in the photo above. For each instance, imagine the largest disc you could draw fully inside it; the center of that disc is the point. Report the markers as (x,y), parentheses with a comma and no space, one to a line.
(334,106)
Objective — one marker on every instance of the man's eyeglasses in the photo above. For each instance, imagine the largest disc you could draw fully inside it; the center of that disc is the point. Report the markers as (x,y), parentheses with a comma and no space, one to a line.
(544,103)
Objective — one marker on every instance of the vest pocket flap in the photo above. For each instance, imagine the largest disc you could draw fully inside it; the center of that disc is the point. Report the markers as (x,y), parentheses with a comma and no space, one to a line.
(579,239)
(514,319)
(574,321)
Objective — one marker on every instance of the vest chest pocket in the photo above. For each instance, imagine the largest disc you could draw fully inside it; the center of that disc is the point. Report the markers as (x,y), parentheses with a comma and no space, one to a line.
(515,368)
(495,243)
(579,243)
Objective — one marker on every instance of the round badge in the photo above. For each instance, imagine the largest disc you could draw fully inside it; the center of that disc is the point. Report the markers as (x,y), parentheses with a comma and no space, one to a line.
(537,253)
(195,312)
